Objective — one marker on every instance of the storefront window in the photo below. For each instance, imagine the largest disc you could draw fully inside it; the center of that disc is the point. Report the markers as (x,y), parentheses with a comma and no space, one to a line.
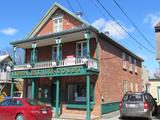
(44,93)
(77,92)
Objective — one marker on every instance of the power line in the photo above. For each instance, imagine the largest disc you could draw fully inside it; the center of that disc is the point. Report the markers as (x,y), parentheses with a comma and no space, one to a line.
(124,28)
(140,32)
(70,5)
(112,24)
(82,10)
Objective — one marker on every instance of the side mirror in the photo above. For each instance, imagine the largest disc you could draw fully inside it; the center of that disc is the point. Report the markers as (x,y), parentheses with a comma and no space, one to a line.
(154,98)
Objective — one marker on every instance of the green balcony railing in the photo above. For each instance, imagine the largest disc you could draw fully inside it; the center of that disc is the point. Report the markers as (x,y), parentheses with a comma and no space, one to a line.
(91,63)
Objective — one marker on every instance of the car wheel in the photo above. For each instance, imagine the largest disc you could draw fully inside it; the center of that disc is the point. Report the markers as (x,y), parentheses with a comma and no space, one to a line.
(20,117)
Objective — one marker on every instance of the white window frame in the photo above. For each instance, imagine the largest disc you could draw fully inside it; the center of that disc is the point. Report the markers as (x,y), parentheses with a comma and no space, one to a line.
(58,24)
(81,42)
(55,46)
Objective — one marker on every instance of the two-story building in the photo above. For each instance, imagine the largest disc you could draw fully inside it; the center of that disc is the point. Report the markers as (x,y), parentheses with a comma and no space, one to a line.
(75,68)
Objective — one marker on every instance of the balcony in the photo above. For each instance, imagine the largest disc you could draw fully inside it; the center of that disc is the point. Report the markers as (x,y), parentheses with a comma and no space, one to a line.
(67,67)
(91,64)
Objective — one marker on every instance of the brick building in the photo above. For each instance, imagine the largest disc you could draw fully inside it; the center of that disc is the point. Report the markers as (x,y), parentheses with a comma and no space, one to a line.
(73,67)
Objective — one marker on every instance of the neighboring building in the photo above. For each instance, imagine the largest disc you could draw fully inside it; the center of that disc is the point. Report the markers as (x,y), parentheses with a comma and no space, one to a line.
(5,80)
(145,79)
(157,31)
(155,88)
(74,67)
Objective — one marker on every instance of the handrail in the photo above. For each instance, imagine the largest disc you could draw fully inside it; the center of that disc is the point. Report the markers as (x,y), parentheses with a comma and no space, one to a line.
(91,63)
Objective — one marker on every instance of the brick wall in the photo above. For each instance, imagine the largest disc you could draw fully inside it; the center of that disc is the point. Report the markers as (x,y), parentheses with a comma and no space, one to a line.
(112,74)
(45,53)
(68,23)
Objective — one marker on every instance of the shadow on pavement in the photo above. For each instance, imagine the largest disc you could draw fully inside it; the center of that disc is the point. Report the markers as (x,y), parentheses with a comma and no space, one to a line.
(157,116)
(129,118)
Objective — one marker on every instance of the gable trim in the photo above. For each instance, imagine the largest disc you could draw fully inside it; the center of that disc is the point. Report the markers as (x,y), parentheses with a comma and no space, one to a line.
(48,15)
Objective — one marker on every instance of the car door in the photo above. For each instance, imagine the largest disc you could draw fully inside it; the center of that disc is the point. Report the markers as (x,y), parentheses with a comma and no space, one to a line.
(16,107)
(5,109)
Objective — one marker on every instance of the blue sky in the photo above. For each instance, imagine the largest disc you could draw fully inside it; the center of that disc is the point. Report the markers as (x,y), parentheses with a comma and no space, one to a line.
(18,17)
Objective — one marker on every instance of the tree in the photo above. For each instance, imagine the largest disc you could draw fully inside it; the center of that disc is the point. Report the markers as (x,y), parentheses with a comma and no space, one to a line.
(19,56)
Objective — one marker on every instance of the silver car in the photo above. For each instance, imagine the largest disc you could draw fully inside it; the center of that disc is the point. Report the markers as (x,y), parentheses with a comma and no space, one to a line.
(139,104)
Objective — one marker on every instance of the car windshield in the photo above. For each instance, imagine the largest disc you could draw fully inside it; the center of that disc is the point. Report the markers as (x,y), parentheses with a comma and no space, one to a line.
(34,102)
(133,97)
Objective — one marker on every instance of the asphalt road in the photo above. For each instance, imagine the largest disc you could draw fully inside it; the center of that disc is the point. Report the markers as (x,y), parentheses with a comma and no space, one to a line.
(115,116)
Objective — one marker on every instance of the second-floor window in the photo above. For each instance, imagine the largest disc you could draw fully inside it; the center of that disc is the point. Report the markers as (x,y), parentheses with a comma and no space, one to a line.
(57,24)
(54,52)
(81,49)
(34,57)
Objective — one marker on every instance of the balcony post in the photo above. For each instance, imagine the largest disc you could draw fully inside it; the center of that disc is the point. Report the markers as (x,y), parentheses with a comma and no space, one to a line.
(33,88)
(58,42)
(34,45)
(12,87)
(88,109)
(57,98)
(13,63)
(87,36)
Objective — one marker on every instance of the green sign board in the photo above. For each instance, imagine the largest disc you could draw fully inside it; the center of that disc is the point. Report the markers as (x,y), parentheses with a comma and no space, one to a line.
(50,72)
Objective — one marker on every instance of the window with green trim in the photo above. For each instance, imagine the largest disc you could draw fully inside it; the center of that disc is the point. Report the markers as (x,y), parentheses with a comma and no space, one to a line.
(81,49)
(54,52)
(77,93)
(44,93)
(34,57)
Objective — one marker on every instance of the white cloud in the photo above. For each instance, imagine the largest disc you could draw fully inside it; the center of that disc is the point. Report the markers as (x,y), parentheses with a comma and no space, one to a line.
(9,31)
(152,19)
(112,27)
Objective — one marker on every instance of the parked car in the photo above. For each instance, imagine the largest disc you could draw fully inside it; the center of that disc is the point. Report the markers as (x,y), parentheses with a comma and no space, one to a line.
(138,104)
(24,109)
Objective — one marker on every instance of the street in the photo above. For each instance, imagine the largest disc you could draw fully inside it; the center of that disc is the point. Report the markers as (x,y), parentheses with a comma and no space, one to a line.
(115,116)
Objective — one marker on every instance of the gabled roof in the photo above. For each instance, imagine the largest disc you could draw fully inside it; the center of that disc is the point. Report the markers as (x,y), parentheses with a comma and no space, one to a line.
(3,57)
(47,16)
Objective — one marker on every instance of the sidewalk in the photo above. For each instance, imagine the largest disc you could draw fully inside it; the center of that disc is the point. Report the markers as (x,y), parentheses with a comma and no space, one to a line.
(110,115)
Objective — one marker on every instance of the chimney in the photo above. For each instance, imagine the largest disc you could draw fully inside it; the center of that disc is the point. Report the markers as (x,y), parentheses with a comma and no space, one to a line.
(157,31)
(79,14)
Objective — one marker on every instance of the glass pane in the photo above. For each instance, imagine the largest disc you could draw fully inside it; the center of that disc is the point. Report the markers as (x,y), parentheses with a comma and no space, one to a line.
(133,97)
(84,49)
(54,53)
(77,93)
(60,20)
